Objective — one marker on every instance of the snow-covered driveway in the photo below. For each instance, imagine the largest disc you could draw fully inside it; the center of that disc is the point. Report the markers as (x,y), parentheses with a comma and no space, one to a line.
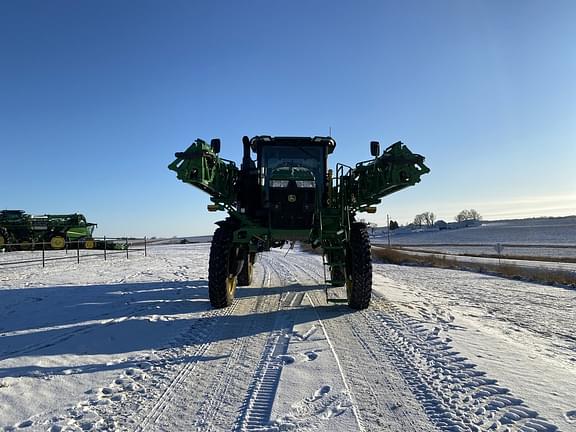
(133,345)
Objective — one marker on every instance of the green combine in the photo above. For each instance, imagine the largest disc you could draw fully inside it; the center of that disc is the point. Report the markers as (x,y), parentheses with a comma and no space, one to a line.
(288,194)
(19,230)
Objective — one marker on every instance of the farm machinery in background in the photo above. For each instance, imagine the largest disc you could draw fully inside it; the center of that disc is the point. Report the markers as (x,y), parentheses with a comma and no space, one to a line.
(288,194)
(19,230)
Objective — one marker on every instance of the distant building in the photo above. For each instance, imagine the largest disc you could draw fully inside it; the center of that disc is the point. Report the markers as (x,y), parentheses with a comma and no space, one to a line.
(441,225)
(464,224)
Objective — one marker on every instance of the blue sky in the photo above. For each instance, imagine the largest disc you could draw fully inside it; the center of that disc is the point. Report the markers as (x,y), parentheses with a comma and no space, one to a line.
(95,98)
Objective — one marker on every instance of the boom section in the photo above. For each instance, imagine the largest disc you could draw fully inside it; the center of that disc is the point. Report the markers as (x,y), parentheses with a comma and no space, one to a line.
(369,181)
(201,167)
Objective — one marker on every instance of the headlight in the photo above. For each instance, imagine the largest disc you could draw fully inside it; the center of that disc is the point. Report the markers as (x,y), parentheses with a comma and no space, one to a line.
(299,183)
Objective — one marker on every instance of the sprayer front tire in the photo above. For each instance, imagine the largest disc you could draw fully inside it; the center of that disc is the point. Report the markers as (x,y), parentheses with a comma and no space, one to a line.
(221,280)
(360,281)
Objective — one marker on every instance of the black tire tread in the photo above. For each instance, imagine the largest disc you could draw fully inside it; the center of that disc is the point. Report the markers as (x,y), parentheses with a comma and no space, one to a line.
(218,267)
(361,266)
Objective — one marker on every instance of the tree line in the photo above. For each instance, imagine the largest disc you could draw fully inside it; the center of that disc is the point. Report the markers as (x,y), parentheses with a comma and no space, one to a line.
(428,219)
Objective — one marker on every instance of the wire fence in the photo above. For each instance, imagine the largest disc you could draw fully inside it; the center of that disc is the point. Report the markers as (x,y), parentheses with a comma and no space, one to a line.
(521,251)
(555,262)
(44,252)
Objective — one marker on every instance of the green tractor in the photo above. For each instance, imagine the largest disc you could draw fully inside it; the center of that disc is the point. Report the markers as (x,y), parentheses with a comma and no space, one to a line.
(19,230)
(288,194)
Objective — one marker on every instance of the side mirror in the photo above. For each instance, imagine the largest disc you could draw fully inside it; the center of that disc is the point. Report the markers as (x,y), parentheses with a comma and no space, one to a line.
(215,145)
(375,148)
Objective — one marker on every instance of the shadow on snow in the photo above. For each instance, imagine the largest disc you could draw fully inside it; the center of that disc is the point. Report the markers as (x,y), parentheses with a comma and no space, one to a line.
(124,318)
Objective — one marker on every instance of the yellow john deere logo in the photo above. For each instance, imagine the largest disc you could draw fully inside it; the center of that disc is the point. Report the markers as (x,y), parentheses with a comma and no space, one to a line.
(291,198)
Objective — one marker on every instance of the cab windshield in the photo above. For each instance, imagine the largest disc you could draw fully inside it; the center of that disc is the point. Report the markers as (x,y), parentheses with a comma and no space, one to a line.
(308,157)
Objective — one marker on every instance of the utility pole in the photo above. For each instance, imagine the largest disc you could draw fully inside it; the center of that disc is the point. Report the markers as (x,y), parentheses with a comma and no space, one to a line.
(388,223)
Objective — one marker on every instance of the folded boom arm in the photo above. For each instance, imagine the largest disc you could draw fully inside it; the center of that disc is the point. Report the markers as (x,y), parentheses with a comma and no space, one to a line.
(200,166)
(394,170)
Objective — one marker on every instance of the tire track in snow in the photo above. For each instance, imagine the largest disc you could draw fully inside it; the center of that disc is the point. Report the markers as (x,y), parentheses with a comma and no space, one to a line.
(341,371)
(259,398)
(222,381)
(289,268)
(514,415)
(257,406)
(214,404)
(381,399)
(455,395)
(159,407)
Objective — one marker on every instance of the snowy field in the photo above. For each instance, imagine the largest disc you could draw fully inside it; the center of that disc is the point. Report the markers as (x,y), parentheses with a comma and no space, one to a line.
(545,238)
(527,231)
(132,345)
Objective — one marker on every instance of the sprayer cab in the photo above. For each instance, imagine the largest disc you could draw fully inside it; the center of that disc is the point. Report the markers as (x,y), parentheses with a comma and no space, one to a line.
(289,175)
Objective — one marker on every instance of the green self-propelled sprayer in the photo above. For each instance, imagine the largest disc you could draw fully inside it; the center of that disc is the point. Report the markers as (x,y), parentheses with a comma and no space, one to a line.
(288,194)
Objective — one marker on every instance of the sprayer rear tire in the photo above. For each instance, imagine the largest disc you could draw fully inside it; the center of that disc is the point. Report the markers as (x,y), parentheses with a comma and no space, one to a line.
(221,281)
(360,282)
(245,276)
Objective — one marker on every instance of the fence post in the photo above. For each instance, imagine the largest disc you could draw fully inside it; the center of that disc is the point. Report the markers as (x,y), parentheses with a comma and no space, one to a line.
(104,248)
(77,251)
(145,251)
(126,247)
(43,249)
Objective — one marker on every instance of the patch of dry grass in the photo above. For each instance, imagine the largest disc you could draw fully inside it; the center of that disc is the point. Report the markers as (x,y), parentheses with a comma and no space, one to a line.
(486,255)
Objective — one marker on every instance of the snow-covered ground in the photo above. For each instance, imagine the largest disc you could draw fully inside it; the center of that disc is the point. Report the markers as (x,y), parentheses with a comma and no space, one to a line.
(521,334)
(134,345)
(547,239)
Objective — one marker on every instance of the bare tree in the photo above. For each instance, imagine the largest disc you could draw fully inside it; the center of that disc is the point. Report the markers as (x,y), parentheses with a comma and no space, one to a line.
(426,218)
(462,216)
(474,215)
(429,218)
(465,215)
(419,220)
